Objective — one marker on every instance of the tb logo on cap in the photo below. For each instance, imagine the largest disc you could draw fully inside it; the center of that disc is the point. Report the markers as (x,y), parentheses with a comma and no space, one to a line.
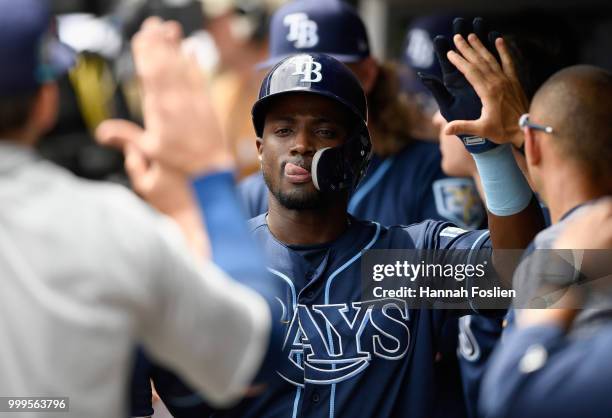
(308,68)
(302,31)
(420,49)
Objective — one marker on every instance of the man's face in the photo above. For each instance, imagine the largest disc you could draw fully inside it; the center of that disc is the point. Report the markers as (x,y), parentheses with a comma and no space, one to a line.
(296,127)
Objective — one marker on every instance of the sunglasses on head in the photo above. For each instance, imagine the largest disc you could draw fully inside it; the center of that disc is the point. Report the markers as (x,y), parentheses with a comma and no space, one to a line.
(525,123)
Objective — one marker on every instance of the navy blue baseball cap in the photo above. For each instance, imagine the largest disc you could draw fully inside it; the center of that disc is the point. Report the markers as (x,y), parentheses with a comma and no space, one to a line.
(418,53)
(332,27)
(29,52)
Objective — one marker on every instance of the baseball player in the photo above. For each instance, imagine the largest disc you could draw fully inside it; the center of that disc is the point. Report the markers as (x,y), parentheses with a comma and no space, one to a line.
(478,335)
(88,270)
(544,369)
(567,178)
(399,186)
(403,184)
(342,356)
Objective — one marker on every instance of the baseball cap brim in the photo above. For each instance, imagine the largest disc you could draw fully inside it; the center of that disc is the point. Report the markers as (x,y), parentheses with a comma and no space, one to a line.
(271,62)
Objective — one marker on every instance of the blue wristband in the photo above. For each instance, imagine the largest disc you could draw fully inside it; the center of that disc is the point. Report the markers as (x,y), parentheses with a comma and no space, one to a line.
(506,189)
(226,224)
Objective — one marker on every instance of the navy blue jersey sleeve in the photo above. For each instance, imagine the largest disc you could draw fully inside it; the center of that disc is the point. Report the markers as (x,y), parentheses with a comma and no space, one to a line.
(459,247)
(438,235)
(454,238)
(253,194)
(539,372)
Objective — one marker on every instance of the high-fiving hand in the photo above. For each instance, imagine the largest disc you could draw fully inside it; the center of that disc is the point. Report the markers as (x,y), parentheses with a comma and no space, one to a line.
(480,95)
(498,87)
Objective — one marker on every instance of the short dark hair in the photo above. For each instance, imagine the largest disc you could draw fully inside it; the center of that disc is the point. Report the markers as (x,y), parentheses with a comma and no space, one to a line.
(578,100)
(15,111)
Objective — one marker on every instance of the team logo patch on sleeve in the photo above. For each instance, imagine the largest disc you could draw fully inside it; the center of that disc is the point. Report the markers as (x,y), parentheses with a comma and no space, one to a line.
(457,200)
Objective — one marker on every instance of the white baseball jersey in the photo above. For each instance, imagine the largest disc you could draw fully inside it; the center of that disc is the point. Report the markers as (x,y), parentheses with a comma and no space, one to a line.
(87,271)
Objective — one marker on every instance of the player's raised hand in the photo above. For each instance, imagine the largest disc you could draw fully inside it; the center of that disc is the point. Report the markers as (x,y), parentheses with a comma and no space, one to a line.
(163,187)
(181,131)
(456,97)
(497,85)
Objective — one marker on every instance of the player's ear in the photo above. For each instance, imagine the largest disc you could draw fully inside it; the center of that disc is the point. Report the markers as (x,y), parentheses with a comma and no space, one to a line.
(533,153)
(46,106)
(259,144)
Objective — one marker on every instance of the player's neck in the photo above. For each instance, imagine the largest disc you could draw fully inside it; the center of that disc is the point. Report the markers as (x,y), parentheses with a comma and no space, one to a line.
(569,193)
(307,227)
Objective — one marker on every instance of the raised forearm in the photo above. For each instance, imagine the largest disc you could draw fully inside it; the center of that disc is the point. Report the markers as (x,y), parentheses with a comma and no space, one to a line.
(518,230)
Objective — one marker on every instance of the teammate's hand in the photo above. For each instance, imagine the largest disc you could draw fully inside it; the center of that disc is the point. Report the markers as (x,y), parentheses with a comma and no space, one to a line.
(164,188)
(497,85)
(456,98)
(181,130)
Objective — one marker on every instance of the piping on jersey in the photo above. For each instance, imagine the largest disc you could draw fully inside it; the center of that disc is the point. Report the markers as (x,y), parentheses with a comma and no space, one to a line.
(289,282)
(465,332)
(362,191)
(298,391)
(327,288)
(296,402)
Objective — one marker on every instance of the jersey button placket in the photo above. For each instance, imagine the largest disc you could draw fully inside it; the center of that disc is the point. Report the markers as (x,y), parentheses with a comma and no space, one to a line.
(310,275)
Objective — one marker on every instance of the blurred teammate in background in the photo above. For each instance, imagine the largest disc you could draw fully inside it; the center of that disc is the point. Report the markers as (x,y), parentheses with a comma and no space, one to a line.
(239,29)
(418,55)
